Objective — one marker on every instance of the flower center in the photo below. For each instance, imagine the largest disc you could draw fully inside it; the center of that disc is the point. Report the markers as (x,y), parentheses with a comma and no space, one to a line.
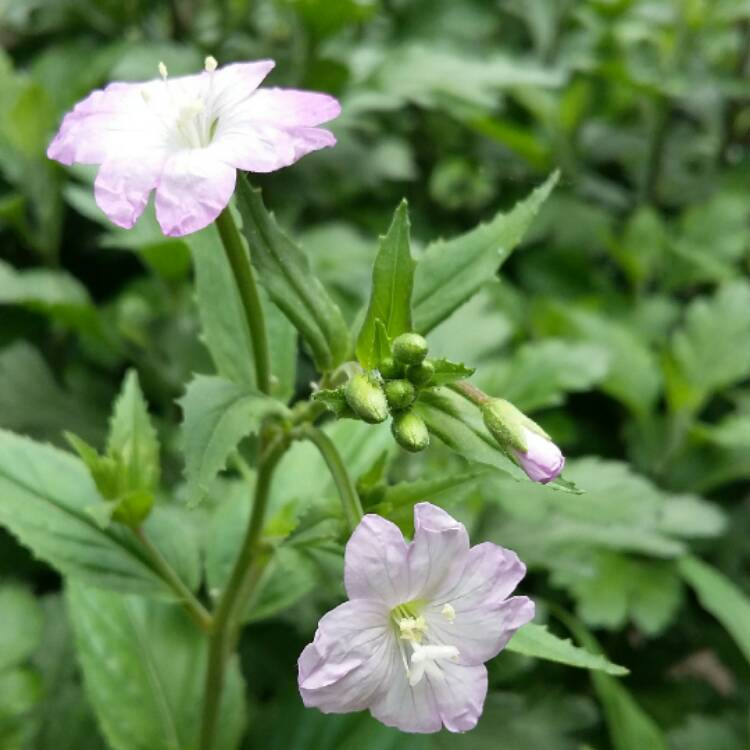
(188,120)
(413,631)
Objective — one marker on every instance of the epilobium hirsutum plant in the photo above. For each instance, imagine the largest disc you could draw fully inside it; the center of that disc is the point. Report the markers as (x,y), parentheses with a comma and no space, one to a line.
(424,617)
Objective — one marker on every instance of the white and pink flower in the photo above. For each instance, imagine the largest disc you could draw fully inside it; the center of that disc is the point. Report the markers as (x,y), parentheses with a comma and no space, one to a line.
(421,621)
(186,137)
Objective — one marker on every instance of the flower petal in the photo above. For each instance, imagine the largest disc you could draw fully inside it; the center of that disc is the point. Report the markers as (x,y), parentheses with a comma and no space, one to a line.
(232,84)
(195,187)
(543,461)
(110,123)
(482,619)
(346,663)
(456,701)
(289,108)
(438,553)
(122,187)
(375,563)
(253,147)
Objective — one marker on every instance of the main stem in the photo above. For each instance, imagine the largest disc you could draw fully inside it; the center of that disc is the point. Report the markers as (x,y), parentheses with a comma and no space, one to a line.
(244,573)
(247,287)
(346,489)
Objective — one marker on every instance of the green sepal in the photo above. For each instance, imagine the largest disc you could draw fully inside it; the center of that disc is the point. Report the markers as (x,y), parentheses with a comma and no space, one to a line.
(505,423)
(421,375)
(410,431)
(449,372)
(365,396)
(334,399)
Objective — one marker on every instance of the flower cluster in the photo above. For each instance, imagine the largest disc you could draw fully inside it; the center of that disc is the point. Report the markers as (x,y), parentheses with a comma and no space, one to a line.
(421,621)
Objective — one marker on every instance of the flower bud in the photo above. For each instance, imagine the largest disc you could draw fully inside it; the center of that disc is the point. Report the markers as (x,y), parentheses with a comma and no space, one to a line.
(420,374)
(134,508)
(524,440)
(400,394)
(409,348)
(410,431)
(366,398)
(390,369)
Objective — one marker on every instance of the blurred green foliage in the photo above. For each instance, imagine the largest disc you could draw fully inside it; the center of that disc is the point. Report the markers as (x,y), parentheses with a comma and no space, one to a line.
(622,324)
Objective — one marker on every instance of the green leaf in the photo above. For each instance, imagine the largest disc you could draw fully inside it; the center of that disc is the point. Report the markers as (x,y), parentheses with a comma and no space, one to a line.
(450,272)
(218,414)
(722,598)
(392,283)
(45,495)
(225,331)
(20,627)
(712,349)
(542,372)
(535,640)
(285,273)
(143,665)
(132,440)
(449,372)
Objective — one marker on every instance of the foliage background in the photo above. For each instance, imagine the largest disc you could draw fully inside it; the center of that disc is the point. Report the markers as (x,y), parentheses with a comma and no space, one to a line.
(622,325)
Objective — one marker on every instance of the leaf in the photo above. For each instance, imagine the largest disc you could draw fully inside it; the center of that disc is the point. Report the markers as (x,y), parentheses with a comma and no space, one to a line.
(535,640)
(722,598)
(542,372)
(143,664)
(285,272)
(21,625)
(712,349)
(224,326)
(408,493)
(450,272)
(132,440)
(449,372)
(217,415)
(45,494)
(392,284)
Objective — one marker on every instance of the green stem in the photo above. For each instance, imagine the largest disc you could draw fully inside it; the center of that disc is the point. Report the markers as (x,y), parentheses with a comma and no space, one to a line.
(346,489)
(477,396)
(244,278)
(193,607)
(244,575)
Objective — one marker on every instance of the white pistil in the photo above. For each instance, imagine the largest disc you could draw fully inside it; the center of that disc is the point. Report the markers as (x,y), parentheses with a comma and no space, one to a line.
(424,662)
(449,613)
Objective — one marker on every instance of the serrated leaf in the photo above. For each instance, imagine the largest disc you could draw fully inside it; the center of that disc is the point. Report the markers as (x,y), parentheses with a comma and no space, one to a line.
(535,640)
(285,272)
(44,497)
(449,372)
(218,414)
(407,494)
(143,665)
(712,349)
(392,283)
(450,272)
(335,401)
(225,331)
(722,598)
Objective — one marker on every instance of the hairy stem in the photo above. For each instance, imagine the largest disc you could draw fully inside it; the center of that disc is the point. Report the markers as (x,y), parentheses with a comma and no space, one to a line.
(346,489)
(477,396)
(193,607)
(244,278)
(245,574)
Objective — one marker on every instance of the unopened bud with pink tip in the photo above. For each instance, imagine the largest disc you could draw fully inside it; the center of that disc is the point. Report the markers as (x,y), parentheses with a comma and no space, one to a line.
(523,440)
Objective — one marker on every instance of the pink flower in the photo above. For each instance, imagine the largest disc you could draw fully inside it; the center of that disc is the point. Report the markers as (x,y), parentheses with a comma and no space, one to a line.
(186,137)
(542,461)
(421,620)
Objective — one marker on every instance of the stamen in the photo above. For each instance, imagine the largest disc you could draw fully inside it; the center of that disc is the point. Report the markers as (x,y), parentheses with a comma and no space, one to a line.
(163,72)
(449,613)
(211,64)
(412,628)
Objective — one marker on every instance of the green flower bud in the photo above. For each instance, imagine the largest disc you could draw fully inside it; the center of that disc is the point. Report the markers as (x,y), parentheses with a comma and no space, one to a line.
(410,431)
(390,369)
(134,508)
(420,374)
(400,394)
(409,348)
(366,398)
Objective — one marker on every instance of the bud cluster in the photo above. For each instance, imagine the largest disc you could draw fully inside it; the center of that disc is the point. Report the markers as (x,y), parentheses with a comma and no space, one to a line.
(392,390)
